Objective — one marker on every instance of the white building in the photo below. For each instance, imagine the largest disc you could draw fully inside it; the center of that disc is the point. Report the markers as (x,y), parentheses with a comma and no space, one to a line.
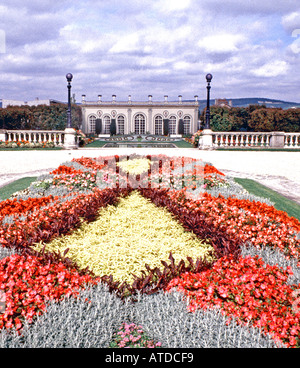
(148,117)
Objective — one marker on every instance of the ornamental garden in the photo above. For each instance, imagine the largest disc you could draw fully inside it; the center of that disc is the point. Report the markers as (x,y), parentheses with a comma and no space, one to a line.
(146,251)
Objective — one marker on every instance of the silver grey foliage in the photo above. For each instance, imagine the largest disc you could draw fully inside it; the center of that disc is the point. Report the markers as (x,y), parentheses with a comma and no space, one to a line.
(76,323)
(164,317)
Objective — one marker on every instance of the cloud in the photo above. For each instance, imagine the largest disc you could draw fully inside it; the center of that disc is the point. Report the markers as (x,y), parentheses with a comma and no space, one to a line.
(171,6)
(272,69)
(36,6)
(150,46)
(127,43)
(222,43)
(253,7)
(291,21)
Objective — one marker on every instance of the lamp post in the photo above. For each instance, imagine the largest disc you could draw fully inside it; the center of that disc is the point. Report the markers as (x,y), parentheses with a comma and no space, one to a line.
(206,139)
(207,117)
(69,77)
(70,141)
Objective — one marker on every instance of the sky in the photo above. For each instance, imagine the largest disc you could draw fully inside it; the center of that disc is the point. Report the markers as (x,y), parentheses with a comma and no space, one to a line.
(149,47)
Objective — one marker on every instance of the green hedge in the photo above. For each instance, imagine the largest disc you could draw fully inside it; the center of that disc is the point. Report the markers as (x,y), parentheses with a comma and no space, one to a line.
(257,118)
(53,117)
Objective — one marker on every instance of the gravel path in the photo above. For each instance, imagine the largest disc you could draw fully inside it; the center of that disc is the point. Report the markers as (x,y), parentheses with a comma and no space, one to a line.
(279,171)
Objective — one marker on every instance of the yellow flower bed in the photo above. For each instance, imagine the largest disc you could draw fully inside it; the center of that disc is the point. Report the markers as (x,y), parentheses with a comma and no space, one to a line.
(126,237)
(135,166)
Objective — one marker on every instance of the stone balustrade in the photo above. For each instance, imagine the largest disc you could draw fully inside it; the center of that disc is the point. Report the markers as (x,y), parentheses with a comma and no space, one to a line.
(292,140)
(60,138)
(211,140)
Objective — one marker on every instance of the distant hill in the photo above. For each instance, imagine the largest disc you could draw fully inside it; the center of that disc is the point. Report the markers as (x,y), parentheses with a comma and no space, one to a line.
(244,102)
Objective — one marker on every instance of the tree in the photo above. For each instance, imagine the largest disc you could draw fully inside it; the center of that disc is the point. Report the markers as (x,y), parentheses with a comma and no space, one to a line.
(180,127)
(98,126)
(113,127)
(166,126)
(53,117)
(261,121)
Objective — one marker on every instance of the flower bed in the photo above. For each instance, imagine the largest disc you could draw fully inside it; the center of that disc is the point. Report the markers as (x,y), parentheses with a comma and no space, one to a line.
(122,240)
(29,281)
(248,289)
(42,270)
(26,144)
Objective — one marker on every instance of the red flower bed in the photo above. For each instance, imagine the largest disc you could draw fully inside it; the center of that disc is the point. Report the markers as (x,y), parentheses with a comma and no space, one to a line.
(210,169)
(28,282)
(249,290)
(89,163)
(62,169)
(17,206)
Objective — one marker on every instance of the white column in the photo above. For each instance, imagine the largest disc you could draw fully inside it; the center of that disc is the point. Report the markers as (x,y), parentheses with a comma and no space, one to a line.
(150,122)
(2,135)
(226,140)
(129,116)
(262,140)
(70,142)
(206,143)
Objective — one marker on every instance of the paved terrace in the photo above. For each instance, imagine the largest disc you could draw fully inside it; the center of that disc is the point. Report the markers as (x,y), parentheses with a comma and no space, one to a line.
(279,171)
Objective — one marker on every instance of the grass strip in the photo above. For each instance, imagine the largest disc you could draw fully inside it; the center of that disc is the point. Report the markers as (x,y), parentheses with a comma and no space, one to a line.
(7,190)
(100,144)
(126,237)
(96,144)
(281,203)
(183,144)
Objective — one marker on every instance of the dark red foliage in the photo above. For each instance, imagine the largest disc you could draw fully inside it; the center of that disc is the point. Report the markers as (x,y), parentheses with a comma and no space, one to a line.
(223,243)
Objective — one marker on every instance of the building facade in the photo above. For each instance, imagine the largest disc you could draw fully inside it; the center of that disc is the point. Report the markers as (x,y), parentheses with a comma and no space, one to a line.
(148,117)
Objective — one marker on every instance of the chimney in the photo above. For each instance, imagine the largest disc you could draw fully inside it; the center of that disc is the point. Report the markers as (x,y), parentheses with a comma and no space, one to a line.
(166,98)
(196,98)
(114,98)
(150,98)
(180,98)
(83,99)
(129,98)
(99,98)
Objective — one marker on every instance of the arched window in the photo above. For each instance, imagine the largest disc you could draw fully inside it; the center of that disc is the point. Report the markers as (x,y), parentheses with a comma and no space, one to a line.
(139,124)
(187,124)
(106,122)
(158,125)
(172,124)
(92,124)
(121,124)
